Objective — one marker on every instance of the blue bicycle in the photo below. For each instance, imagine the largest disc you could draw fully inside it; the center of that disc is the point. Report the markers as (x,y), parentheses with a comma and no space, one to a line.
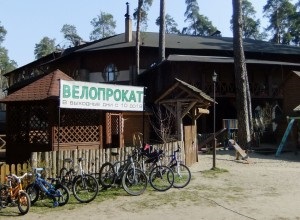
(42,189)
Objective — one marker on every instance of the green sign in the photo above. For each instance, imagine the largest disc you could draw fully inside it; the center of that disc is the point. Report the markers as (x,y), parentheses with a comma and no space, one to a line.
(85,95)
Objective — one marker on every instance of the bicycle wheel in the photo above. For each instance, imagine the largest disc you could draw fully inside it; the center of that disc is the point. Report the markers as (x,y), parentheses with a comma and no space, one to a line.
(33,191)
(182,175)
(107,175)
(161,178)
(85,188)
(134,181)
(23,203)
(62,194)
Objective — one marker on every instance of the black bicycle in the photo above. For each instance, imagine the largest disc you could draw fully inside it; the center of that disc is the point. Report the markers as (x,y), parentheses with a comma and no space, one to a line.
(125,173)
(84,186)
(67,175)
(160,177)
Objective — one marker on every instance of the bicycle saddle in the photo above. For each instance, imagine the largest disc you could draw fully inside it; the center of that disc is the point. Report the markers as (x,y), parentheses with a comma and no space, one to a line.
(114,153)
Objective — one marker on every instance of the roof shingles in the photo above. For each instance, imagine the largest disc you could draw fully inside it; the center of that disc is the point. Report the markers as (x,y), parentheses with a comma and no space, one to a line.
(43,88)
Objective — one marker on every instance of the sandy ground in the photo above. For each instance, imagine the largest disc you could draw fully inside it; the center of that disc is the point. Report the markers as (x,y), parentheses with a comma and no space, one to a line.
(267,187)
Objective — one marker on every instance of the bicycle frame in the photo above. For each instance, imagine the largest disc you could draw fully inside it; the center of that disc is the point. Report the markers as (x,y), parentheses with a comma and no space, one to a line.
(119,170)
(152,159)
(84,182)
(81,172)
(43,185)
(14,192)
(175,160)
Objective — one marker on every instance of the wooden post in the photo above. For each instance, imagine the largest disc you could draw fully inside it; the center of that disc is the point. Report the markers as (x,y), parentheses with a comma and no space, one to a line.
(179,122)
(33,160)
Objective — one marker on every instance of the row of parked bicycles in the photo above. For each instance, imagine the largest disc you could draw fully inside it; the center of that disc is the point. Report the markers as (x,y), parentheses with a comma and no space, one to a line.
(144,165)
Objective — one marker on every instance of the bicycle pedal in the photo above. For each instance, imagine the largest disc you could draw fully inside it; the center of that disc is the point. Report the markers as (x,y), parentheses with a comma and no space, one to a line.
(55,204)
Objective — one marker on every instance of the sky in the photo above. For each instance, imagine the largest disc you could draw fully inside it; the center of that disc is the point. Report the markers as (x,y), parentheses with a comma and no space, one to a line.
(28,21)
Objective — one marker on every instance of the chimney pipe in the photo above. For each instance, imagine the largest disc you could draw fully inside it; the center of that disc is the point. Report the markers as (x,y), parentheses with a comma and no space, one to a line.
(128,25)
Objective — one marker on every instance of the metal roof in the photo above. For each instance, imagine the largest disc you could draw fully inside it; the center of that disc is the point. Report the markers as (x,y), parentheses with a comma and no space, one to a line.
(217,59)
(187,42)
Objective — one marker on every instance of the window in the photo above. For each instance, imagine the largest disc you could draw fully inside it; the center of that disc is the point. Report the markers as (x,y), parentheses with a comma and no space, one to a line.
(110,73)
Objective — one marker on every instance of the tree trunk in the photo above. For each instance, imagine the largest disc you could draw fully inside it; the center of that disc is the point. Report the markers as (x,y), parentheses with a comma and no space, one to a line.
(241,78)
(138,39)
(162,31)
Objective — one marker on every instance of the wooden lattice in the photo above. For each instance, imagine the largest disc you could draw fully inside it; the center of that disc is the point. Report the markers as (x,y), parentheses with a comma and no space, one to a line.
(77,134)
(28,124)
(78,126)
(115,124)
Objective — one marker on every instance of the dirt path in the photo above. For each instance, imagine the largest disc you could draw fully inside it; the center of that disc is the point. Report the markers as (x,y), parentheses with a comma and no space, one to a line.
(266,188)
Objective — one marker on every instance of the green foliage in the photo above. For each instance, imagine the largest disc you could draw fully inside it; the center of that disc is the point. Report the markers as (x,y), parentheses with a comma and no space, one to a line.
(3,32)
(70,34)
(45,47)
(198,24)
(251,25)
(171,25)
(6,65)
(281,15)
(104,25)
(145,6)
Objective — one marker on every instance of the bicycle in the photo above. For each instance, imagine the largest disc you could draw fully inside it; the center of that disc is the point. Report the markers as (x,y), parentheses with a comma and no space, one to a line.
(13,194)
(125,173)
(182,174)
(161,177)
(66,176)
(85,187)
(42,189)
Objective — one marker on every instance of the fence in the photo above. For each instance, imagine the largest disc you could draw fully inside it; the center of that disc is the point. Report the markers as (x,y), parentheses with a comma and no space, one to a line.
(17,169)
(93,159)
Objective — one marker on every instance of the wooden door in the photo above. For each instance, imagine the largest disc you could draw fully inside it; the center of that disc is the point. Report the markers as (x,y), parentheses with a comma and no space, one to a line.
(191,151)
(114,130)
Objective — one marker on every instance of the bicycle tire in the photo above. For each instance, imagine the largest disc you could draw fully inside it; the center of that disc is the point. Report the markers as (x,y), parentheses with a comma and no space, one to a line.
(85,188)
(23,203)
(161,178)
(62,194)
(107,175)
(182,177)
(34,192)
(134,181)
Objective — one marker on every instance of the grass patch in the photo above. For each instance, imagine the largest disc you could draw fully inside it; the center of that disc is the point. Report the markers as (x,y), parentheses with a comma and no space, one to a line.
(213,172)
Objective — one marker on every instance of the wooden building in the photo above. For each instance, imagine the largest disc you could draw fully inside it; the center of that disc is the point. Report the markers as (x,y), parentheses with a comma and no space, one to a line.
(189,59)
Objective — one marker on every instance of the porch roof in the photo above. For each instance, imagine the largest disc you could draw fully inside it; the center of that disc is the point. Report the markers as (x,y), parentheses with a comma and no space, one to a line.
(297,109)
(44,88)
(187,92)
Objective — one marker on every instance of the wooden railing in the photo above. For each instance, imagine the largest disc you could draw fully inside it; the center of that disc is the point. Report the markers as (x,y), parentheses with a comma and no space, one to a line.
(227,89)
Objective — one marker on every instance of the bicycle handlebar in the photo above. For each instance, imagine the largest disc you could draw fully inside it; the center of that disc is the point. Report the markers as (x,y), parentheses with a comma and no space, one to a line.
(18,178)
